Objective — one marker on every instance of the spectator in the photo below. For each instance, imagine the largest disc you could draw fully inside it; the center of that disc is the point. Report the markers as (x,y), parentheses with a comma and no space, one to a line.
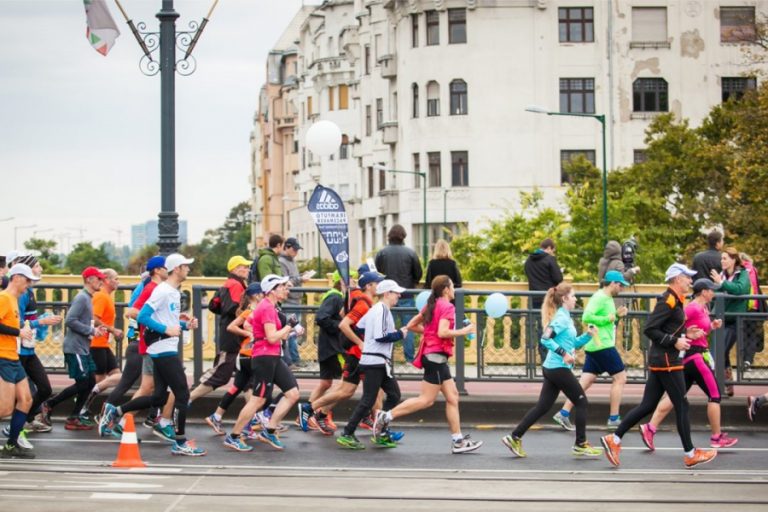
(287,259)
(753,329)
(542,271)
(442,264)
(268,257)
(705,262)
(401,264)
(611,260)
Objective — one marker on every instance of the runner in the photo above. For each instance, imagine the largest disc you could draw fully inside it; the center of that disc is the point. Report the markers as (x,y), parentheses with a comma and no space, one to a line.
(15,397)
(243,378)
(559,337)
(77,342)
(436,322)
(601,354)
(268,367)
(699,365)
(669,337)
(376,364)
(754,403)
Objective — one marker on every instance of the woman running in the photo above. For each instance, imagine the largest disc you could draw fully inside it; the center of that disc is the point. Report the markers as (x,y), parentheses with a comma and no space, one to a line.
(436,322)
(560,339)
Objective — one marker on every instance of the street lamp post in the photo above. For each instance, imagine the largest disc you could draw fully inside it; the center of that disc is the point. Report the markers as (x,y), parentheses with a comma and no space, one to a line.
(423,176)
(601,118)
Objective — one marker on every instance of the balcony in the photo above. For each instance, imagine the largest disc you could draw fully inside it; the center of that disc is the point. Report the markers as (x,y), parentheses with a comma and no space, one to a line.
(388,66)
(285,122)
(389,135)
(390,201)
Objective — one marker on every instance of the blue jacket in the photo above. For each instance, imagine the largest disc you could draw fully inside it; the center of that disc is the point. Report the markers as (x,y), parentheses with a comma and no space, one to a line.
(565,337)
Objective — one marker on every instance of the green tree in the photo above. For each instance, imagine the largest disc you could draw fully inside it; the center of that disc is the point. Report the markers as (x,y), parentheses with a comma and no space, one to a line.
(85,254)
(49,259)
(222,243)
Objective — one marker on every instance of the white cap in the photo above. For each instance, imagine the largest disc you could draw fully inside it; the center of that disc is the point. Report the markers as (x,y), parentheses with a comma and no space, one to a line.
(676,269)
(14,255)
(175,260)
(388,285)
(271,281)
(21,269)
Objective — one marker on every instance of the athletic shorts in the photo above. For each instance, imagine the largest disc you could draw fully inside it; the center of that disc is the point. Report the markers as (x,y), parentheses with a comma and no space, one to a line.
(435,373)
(12,371)
(221,371)
(330,368)
(79,367)
(351,371)
(147,366)
(104,359)
(268,370)
(696,370)
(602,361)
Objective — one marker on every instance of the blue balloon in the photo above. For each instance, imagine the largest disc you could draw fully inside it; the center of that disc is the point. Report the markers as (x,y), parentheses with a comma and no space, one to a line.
(421,299)
(496,305)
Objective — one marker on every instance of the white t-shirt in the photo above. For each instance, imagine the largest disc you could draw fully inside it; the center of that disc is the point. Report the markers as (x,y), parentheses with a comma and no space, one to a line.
(376,323)
(165,301)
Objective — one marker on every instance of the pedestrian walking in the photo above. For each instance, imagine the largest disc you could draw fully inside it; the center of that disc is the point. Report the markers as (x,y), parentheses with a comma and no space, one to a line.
(442,264)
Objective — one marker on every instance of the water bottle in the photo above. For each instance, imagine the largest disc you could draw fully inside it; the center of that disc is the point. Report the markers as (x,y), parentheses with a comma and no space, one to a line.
(470,336)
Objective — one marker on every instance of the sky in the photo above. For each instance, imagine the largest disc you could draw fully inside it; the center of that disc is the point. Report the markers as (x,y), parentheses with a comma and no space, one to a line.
(80,132)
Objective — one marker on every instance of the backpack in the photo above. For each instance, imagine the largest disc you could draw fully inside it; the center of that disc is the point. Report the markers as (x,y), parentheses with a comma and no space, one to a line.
(214,305)
(253,272)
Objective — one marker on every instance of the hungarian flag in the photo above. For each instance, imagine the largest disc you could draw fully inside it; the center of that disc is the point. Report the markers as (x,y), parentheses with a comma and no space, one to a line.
(102,30)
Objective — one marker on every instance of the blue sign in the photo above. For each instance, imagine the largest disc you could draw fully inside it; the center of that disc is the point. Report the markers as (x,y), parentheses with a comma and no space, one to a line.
(327,210)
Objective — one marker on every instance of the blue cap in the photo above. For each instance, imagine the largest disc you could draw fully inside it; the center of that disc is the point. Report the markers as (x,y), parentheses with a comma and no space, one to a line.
(368,278)
(362,269)
(155,262)
(253,289)
(614,276)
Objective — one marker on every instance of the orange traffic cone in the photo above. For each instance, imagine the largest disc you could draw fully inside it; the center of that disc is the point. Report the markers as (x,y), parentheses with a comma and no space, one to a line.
(128,454)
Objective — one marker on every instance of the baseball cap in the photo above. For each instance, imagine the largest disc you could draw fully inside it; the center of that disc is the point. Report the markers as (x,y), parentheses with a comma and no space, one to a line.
(21,269)
(336,277)
(388,285)
(271,281)
(155,262)
(704,284)
(253,289)
(175,260)
(292,243)
(92,272)
(237,261)
(369,277)
(614,276)
(677,269)
(362,269)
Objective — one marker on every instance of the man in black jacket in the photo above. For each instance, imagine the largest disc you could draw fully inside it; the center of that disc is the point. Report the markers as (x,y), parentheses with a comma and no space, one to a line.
(705,262)
(542,270)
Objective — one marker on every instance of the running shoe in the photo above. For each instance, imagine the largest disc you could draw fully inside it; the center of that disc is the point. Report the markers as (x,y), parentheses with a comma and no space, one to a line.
(23,441)
(151,421)
(395,435)
(350,441)
(647,433)
(107,420)
(16,452)
(117,431)
(281,428)
(236,443)
(612,449)
(305,412)
(7,430)
(45,414)
(380,424)
(188,448)
(312,423)
(166,433)
(564,421)
(586,450)
(323,427)
(367,423)
(613,424)
(722,441)
(751,407)
(259,420)
(271,439)
(700,456)
(215,425)
(329,421)
(77,424)
(515,445)
(87,418)
(465,445)
(384,441)
(38,427)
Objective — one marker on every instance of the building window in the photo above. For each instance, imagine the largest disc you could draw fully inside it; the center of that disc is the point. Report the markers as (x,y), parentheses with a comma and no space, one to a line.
(414,30)
(737,24)
(331,97)
(459,169)
(416,169)
(433,99)
(415,99)
(382,178)
(309,106)
(577,95)
(377,49)
(650,95)
(344,148)
(368,120)
(576,25)
(370,182)
(343,97)
(367,60)
(433,27)
(649,24)
(459,98)
(735,87)
(457,26)
(639,156)
(379,112)
(434,169)
(568,155)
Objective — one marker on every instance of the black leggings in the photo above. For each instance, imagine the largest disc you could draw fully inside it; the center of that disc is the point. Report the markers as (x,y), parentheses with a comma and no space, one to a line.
(374,378)
(169,373)
(242,383)
(36,374)
(131,373)
(555,381)
(80,390)
(659,382)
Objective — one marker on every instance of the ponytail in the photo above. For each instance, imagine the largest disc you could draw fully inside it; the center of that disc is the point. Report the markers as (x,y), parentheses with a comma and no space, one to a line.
(552,302)
(244,301)
(439,284)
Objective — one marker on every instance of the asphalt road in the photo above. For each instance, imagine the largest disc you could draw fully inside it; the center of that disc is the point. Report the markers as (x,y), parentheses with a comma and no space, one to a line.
(72,472)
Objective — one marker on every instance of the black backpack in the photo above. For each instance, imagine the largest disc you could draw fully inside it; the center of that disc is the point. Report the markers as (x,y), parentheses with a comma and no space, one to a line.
(253,272)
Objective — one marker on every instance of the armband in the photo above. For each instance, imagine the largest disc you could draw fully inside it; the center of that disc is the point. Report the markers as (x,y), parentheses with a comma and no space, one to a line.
(560,351)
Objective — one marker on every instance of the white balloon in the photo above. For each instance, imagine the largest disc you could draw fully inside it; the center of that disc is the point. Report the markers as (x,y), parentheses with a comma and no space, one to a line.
(324,138)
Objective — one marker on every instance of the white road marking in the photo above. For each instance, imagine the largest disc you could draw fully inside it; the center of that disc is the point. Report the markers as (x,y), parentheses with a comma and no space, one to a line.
(102,441)
(119,496)
(101,485)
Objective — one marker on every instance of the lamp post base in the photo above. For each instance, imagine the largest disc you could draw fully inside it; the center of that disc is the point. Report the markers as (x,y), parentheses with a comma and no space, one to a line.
(168,232)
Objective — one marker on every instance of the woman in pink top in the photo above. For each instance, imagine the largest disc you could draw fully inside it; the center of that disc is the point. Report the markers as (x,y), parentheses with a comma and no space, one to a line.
(436,322)
(698,368)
